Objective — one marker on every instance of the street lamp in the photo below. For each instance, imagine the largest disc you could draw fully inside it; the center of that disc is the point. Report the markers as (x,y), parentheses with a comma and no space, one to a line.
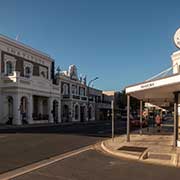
(92,80)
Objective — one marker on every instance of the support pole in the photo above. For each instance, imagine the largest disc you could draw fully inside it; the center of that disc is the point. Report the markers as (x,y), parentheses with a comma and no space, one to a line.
(141,107)
(112,107)
(128,118)
(175,121)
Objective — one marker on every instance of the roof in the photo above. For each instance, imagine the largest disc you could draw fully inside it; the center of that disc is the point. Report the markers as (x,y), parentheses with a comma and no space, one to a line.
(156,91)
(24,46)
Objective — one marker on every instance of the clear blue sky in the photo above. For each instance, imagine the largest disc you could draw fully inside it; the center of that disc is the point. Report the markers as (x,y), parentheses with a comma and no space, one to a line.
(121,41)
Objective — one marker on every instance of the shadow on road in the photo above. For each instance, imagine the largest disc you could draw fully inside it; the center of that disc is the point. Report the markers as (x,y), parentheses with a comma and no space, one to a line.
(96,129)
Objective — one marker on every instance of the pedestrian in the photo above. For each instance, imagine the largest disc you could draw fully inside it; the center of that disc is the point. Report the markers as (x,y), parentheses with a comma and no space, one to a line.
(158,122)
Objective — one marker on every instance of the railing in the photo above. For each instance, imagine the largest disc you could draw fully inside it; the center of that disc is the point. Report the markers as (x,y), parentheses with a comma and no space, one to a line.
(76,97)
(104,105)
(106,102)
(34,82)
(84,98)
(66,96)
(91,99)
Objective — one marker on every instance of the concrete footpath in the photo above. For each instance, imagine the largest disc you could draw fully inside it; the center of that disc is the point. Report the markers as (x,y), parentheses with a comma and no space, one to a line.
(157,149)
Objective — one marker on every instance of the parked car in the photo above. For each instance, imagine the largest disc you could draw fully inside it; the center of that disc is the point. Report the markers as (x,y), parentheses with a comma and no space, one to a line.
(136,123)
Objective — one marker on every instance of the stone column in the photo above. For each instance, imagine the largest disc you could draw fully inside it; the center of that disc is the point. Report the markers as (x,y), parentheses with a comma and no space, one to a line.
(87,113)
(30,109)
(16,110)
(59,111)
(40,106)
(50,108)
(78,90)
(71,112)
(70,90)
(79,112)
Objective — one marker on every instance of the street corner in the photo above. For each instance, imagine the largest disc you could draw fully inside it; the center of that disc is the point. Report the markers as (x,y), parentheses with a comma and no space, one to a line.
(115,147)
(145,152)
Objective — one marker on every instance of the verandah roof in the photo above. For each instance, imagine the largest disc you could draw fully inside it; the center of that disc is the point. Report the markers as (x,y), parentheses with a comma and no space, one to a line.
(158,91)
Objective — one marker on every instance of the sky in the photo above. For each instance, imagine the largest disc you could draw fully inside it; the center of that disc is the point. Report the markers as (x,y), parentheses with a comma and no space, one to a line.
(120,41)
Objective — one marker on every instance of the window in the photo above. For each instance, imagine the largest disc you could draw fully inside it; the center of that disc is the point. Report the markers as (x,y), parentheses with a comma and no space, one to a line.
(76,112)
(9,65)
(27,72)
(9,68)
(65,89)
(82,91)
(28,69)
(74,89)
(43,74)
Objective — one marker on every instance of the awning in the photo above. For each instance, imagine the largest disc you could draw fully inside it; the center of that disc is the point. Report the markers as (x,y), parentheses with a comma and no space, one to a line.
(158,92)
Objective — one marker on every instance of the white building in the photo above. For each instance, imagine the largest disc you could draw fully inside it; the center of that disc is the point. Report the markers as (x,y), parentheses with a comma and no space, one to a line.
(79,101)
(31,92)
(27,92)
(74,97)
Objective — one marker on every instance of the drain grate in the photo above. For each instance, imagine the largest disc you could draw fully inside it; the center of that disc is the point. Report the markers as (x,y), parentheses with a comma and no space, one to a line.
(132,149)
(160,156)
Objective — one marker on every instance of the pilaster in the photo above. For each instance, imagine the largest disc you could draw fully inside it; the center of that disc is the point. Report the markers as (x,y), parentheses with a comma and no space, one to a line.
(40,106)
(59,111)
(30,109)
(50,109)
(16,109)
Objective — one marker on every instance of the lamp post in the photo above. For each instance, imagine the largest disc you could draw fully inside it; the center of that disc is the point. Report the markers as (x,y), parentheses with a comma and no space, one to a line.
(89,83)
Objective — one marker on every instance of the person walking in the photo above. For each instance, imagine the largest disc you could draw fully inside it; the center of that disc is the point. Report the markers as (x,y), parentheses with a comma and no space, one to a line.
(158,122)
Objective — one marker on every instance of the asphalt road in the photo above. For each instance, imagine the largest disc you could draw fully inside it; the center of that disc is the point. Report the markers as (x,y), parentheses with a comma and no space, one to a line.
(23,146)
(96,165)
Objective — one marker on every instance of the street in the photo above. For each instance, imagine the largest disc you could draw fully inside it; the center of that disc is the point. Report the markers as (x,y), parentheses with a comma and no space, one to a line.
(24,146)
(95,165)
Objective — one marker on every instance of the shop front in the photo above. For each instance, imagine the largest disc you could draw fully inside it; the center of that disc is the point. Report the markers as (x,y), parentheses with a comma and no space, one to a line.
(162,91)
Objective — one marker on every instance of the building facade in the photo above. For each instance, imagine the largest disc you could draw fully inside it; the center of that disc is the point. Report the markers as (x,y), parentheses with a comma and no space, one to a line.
(31,92)
(27,92)
(75,106)
(79,102)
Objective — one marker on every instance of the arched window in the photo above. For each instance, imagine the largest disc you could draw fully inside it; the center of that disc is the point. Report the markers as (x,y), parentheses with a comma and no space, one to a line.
(65,114)
(76,112)
(9,68)
(91,112)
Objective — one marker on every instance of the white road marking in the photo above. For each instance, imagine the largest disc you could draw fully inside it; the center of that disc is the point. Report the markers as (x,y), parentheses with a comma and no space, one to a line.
(43,163)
